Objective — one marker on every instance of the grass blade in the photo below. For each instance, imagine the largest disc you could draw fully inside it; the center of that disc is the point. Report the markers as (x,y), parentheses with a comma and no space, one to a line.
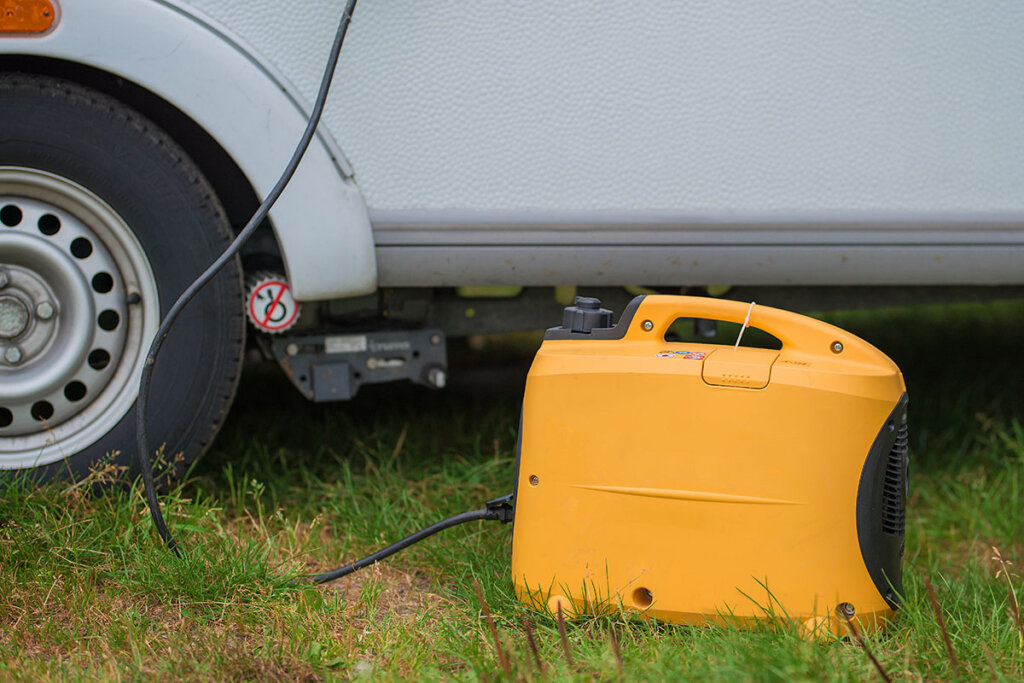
(845,615)
(506,666)
(1004,570)
(942,626)
(531,641)
(564,638)
(614,637)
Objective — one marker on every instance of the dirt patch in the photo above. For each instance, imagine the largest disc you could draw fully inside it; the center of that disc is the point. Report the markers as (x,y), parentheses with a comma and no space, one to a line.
(402,594)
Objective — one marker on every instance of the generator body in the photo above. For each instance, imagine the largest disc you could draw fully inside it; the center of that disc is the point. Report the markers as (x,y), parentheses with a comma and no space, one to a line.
(698,483)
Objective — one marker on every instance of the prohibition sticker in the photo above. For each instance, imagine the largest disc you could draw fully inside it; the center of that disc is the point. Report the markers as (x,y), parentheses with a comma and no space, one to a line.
(272,307)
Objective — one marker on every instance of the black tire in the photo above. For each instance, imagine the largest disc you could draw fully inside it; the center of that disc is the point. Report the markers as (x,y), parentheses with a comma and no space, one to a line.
(75,134)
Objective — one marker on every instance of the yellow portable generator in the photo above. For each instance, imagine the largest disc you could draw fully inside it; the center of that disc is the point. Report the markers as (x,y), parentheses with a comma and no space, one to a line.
(700,483)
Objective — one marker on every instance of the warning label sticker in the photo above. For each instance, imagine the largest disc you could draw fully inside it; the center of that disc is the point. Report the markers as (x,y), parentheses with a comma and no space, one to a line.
(272,307)
(685,355)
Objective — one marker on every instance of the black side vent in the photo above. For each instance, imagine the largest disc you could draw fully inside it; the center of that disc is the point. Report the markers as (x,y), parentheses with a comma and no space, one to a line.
(882,504)
(894,501)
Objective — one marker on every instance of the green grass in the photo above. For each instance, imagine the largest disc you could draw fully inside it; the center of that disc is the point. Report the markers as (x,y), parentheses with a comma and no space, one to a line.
(87,592)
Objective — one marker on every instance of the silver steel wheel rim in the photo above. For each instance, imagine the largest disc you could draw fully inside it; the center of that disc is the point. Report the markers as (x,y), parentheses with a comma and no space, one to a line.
(78,308)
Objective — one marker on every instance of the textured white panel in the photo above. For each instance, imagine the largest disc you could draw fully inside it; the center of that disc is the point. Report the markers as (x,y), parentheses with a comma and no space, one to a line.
(688,106)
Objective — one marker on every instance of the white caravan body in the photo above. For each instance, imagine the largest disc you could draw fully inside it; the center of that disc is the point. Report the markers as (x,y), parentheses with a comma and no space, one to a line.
(644,142)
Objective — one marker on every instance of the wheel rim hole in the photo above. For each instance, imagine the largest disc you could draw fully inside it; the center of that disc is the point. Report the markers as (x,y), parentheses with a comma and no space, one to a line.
(102,282)
(10,215)
(49,224)
(74,391)
(108,320)
(81,247)
(6,418)
(42,411)
(99,359)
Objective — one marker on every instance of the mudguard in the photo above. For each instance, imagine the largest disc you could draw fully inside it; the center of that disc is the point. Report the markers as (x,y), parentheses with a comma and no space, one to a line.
(250,109)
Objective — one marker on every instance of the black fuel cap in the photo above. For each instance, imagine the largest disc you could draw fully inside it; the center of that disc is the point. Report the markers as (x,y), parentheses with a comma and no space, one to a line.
(585,315)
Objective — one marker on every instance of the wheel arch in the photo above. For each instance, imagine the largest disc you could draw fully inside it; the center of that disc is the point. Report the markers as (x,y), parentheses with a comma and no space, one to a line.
(230,183)
(233,115)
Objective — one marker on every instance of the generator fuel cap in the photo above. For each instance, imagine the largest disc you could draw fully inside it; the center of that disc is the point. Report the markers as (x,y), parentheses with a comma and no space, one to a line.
(585,315)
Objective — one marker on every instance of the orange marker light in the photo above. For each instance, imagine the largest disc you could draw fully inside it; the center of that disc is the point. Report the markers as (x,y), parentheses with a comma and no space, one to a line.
(26,16)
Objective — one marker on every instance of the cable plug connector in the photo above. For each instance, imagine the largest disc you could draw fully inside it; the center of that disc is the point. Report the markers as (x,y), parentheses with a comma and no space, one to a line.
(501,509)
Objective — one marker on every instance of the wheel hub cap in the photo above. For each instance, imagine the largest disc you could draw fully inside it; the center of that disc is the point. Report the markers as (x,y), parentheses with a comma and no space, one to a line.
(14,317)
(47,376)
(71,346)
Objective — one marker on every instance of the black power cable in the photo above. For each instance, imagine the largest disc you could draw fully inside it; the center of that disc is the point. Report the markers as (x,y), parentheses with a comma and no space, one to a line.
(499,509)
(172,315)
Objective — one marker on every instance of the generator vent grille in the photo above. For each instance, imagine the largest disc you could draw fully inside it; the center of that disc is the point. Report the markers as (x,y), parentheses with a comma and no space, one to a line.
(894,500)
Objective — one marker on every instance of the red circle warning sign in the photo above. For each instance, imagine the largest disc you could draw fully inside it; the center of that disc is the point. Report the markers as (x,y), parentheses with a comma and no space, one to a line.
(272,307)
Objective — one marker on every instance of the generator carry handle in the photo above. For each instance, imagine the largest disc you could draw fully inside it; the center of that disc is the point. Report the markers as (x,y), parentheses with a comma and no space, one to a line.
(796,332)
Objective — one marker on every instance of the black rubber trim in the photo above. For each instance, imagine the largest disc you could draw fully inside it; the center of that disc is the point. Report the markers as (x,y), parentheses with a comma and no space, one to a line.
(882,541)
(603,333)
(519,457)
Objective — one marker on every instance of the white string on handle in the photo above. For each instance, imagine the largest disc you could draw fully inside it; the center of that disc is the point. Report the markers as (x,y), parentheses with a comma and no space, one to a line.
(746,324)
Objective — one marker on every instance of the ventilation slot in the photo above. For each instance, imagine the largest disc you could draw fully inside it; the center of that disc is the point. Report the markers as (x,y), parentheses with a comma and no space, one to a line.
(894,502)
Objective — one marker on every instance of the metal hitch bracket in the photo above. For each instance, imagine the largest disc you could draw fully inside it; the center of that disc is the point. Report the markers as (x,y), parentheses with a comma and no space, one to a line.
(332,367)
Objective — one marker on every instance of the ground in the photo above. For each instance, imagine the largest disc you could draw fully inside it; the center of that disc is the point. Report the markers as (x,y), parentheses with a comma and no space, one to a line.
(291,488)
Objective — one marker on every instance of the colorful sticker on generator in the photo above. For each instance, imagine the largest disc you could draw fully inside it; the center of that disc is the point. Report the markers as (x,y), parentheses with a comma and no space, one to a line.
(685,355)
